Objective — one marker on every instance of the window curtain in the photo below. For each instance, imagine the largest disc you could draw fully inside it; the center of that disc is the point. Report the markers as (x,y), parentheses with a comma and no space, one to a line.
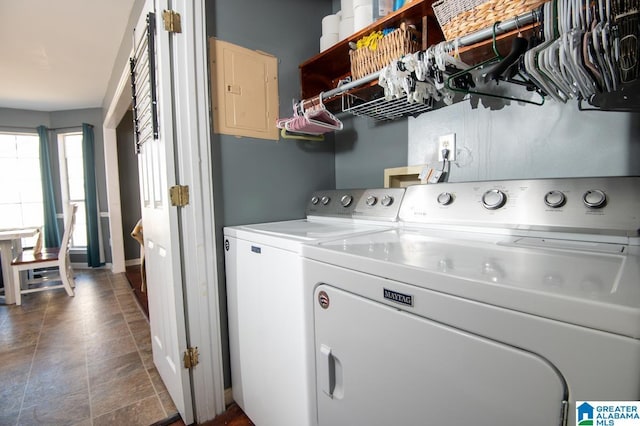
(51,232)
(93,236)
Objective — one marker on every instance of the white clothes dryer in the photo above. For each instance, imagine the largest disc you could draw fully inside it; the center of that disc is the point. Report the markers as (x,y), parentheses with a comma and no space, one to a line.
(269,347)
(494,303)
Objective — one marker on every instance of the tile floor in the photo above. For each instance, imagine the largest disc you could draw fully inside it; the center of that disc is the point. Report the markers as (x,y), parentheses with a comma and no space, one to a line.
(83,360)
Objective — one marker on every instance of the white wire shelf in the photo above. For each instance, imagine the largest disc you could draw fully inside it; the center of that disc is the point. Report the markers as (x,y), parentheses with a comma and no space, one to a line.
(381,109)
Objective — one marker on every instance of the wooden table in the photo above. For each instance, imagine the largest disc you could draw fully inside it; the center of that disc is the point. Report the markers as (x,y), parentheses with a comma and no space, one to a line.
(10,246)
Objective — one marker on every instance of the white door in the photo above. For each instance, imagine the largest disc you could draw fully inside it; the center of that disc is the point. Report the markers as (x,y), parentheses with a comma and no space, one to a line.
(378,366)
(160,219)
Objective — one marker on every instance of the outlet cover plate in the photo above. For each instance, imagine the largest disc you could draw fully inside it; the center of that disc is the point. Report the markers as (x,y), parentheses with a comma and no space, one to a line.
(447,142)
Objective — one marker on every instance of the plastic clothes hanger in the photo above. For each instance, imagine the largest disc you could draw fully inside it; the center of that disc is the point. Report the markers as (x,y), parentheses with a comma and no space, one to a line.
(588,60)
(313,119)
(451,82)
(596,41)
(534,57)
(585,82)
(391,79)
(584,79)
(628,62)
(542,62)
(602,47)
(319,115)
(564,20)
(608,56)
(552,65)
(519,45)
(425,73)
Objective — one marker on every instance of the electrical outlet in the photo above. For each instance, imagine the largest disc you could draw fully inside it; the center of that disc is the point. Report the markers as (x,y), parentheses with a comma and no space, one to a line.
(447,142)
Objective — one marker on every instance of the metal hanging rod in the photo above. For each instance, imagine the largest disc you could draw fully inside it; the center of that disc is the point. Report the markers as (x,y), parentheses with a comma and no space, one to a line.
(347,86)
(469,39)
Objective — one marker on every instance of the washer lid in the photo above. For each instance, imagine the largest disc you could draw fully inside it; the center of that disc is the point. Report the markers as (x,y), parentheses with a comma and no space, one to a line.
(579,285)
(292,233)
(307,230)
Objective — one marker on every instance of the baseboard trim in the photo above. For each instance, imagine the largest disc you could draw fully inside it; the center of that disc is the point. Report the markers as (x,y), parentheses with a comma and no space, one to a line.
(228,397)
(132,262)
(83,265)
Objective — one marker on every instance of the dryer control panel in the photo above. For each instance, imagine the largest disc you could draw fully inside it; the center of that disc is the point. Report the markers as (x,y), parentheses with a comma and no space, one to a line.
(601,205)
(377,204)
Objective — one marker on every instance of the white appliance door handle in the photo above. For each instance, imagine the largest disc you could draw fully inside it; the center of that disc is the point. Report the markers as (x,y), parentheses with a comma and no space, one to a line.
(327,371)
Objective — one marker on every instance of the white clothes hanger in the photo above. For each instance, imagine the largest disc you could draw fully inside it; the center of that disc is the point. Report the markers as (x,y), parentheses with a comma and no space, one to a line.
(534,58)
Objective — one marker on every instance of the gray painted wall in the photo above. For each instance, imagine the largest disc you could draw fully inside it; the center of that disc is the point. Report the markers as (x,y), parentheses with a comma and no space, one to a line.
(72,118)
(514,141)
(263,180)
(23,118)
(365,148)
(129,184)
(521,142)
(260,180)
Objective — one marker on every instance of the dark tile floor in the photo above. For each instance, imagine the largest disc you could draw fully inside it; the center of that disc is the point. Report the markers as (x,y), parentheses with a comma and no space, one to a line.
(83,360)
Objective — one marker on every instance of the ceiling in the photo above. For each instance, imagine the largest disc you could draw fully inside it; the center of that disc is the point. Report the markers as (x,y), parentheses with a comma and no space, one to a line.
(59,55)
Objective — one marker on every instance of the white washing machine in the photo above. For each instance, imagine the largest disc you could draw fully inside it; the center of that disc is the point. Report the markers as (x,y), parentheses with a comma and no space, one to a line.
(272,380)
(494,303)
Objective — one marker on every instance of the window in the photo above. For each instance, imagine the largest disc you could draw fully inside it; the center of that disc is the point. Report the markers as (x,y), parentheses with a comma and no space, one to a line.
(21,201)
(72,182)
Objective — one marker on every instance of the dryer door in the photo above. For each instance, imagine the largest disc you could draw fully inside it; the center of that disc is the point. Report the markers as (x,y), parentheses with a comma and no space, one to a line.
(380,366)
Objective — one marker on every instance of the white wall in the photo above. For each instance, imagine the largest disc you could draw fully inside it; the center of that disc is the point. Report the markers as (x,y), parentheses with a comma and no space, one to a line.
(521,142)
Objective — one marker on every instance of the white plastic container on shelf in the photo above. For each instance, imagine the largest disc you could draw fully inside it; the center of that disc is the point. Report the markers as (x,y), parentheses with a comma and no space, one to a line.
(346,28)
(362,15)
(347,8)
(330,24)
(328,40)
(330,31)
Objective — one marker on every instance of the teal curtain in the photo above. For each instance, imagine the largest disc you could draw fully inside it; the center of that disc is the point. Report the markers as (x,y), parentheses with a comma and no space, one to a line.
(51,232)
(93,239)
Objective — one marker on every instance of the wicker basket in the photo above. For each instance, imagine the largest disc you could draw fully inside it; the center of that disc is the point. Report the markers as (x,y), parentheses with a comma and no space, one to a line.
(394,45)
(461,17)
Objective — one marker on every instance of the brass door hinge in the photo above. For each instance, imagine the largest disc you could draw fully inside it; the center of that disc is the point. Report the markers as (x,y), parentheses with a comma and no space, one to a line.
(179,195)
(191,357)
(171,21)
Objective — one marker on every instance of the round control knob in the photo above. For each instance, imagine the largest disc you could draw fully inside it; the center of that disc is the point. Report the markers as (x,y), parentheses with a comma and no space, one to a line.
(315,200)
(372,200)
(325,200)
(346,200)
(387,200)
(554,199)
(594,198)
(494,199)
(445,198)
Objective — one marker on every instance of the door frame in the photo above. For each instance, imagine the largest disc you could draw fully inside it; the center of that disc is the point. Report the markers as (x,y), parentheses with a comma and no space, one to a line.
(198,229)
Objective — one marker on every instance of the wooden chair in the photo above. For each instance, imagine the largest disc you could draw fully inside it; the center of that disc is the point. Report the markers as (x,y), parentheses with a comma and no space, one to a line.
(53,262)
